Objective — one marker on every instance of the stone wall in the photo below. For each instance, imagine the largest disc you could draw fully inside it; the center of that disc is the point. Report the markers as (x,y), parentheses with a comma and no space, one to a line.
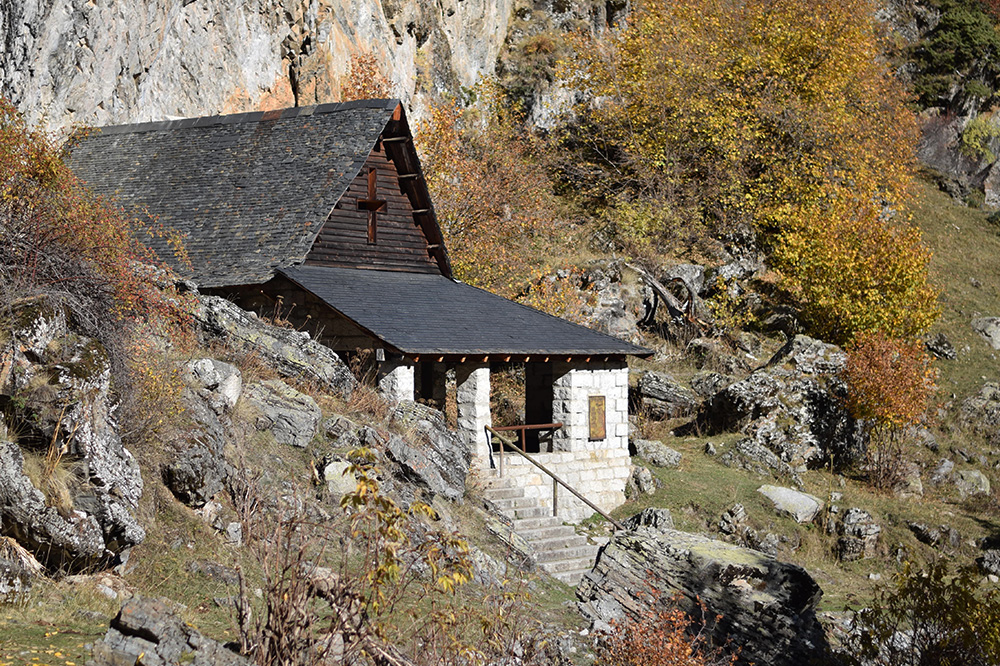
(599,475)
(597,468)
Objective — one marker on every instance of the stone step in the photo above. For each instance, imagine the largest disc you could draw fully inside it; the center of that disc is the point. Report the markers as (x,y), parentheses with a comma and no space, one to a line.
(493,494)
(506,504)
(546,532)
(572,577)
(547,520)
(562,566)
(532,512)
(561,554)
(557,542)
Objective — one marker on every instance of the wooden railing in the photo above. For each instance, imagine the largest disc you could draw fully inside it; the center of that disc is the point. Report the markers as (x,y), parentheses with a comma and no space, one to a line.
(556,481)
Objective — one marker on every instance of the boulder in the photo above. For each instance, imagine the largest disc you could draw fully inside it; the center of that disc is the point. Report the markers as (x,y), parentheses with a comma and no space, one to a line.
(663,397)
(153,633)
(792,407)
(292,417)
(971,482)
(216,382)
(766,608)
(942,472)
(640,482)
(197,468)
(858,535)
(802,507)
(989,562)
(940,346)
(292,353)
(909,483)
(435,457)
(706,383)
(338,481)
(657,453)
(79,515)
(981,412)
(989,329)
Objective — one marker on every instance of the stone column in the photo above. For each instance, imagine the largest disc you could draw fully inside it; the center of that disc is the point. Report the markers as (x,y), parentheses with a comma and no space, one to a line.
(473,398)
(395,380)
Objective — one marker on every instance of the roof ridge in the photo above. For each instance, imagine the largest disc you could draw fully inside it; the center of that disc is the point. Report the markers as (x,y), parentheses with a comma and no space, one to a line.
(389,104)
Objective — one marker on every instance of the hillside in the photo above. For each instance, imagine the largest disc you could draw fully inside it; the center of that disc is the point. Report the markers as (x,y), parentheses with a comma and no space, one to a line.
(187,475)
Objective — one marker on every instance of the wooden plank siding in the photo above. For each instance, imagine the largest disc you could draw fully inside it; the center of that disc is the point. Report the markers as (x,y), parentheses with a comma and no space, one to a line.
(401,242)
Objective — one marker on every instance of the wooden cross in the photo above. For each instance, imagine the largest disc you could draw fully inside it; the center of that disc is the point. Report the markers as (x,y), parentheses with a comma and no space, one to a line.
(372,205)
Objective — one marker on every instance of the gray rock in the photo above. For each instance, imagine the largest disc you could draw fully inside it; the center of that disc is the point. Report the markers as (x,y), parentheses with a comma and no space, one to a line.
(216,382)
(767,608)
(859,535)
(802,507)
(942,472)
(989,329)
(989,562)
(659,519)
(981,412)
(657,453)
(909,483)
(292,417)
(437,459)
(62,384)
(15,581)
(640,482)
(338,481)
(692,274)
(98,65)
(663,397)
(710,449)
(152,630)
(941,347)
(706,384)
(791,408)
(197,468)
(233,534)
(292,353)
(971,482)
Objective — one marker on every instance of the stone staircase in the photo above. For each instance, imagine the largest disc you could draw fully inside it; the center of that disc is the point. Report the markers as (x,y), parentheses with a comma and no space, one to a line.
(557,548)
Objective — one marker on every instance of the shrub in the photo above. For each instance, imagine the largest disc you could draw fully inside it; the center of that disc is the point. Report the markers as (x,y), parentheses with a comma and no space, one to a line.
(660,637)
(889,383)
(932,617)
(60,240)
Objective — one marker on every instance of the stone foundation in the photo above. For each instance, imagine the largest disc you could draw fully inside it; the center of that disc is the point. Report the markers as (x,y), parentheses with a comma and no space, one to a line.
(600,476)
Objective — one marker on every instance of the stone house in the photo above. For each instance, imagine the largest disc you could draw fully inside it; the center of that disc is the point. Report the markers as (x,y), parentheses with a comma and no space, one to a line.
(322,213)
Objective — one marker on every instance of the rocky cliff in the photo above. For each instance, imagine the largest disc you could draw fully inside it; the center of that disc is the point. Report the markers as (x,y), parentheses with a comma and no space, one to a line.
(101,62)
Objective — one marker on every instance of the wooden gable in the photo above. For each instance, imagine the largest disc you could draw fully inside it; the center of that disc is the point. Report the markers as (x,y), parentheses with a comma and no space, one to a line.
(374,225)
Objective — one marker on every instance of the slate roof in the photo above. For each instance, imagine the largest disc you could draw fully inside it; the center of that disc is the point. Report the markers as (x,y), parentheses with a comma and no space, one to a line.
(419,313)
(248,192)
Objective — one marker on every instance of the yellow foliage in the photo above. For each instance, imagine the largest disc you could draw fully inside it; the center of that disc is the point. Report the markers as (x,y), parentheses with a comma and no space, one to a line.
(778,114)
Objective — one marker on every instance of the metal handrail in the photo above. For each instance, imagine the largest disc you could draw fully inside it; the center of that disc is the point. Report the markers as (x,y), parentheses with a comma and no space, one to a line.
(555,479)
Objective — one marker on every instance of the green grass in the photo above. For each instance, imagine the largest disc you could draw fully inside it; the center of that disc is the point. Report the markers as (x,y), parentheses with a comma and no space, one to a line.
(966,247)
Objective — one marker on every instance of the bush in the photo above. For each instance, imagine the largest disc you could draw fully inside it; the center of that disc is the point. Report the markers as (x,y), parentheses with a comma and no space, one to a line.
(658,638)
(932,617)
(59,240)
(889,384)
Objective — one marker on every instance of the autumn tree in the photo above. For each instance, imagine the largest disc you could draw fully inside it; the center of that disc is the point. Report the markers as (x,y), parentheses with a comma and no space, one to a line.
(889,385)
(61,242)
(493,198)
(779,117)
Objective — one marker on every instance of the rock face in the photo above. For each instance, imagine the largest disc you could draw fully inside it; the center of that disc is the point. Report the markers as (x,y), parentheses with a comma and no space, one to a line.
(433,456)
(663,397)
(151,632)
(72,504)
(767,607)
(789,410)
(292,353)
(858,535)
(132,61)
(198,469)
(292,417)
